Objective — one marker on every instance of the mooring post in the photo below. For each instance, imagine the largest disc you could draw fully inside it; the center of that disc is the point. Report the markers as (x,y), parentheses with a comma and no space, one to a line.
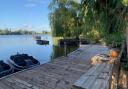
(80,42)
(65,48)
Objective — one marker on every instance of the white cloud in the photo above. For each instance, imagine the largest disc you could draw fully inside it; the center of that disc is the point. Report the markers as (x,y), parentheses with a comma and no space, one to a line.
(33,3)
(36,1)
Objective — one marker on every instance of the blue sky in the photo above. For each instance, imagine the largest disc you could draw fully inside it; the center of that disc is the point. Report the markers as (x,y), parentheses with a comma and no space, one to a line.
(31,14)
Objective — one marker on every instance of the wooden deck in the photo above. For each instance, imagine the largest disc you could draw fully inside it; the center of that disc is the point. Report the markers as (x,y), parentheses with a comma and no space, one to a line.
(60,74)
(97,77)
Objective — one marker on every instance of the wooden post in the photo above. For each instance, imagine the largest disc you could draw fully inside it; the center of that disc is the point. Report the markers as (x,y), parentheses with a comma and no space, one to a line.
(79,42)
(65,48)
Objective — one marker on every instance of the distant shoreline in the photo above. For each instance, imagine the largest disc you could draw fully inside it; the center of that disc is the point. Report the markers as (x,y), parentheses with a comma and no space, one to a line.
(21,32)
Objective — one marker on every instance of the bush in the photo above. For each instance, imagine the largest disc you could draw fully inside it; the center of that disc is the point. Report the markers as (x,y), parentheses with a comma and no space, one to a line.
(114,38)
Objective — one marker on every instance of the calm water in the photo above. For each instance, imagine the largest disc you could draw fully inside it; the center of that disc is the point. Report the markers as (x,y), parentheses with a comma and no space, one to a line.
(11,44)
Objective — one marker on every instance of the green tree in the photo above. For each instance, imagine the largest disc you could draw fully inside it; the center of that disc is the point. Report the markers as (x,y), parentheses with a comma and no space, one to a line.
(97,19)
(106,17)
(63,17)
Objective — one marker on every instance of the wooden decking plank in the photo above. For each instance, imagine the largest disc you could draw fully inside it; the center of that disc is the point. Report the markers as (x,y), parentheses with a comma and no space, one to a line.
(59,70)
(5,86)
(40,81)
(70,64)
(72,61)
(97,84)
(87,84)
(98,72)
(78,68)
(45,81)
(93,78)
(102,82)
(84,77)
(13,84)
(90,76)
(24,84)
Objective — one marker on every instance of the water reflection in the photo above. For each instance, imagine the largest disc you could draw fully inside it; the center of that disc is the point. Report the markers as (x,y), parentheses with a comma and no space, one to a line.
(59,51)
(11,44)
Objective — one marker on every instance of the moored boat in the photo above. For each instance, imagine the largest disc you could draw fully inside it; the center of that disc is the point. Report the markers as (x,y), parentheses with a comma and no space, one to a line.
(42,42)
(23,61)
(5,69)
(73,42)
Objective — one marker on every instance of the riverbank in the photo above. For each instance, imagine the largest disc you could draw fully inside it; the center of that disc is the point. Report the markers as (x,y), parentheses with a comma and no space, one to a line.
(59,74)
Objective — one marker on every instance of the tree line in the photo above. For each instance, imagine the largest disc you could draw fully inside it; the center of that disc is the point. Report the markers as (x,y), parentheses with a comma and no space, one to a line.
(20,32)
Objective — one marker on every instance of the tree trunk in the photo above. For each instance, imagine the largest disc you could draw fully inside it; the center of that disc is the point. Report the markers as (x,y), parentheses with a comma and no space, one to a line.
(127,39)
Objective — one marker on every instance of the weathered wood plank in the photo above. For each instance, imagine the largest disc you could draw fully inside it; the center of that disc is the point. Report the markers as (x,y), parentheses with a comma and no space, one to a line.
(5,86)
(100,72)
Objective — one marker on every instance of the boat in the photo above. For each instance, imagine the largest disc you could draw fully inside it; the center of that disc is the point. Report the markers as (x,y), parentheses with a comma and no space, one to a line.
(73,42)
(69,42)
(5,69)
(42,42)
(23,61)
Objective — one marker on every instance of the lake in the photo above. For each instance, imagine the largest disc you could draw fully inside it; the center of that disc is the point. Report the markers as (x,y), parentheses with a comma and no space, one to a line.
(11,44)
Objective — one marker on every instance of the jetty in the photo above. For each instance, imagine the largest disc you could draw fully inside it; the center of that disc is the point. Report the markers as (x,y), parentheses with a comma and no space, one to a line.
(70,72)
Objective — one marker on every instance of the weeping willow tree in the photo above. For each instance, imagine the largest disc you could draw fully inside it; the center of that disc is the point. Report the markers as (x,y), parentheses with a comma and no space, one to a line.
(63,17)
(103,20)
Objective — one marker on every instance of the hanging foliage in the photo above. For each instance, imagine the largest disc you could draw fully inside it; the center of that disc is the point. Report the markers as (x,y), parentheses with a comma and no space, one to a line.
(63,17)
(106,17)
(96,19)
